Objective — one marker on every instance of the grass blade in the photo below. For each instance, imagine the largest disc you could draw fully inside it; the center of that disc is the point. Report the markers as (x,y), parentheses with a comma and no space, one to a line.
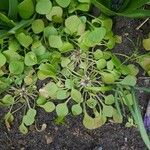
(140,121)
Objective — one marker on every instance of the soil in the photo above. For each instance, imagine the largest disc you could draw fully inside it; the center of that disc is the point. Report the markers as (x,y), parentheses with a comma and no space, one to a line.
(72,135)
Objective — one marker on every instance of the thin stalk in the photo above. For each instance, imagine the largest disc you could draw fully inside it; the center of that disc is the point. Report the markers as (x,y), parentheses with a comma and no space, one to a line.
(140,121)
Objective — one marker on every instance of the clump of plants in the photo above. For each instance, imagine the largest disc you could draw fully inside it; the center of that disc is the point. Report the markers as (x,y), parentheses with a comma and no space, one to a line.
(59,41)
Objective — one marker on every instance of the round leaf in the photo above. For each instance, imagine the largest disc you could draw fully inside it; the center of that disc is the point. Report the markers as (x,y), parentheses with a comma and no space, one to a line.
(91,103)
(62,110)
(72,23)
(37,26)
(109,99)
(43,7)
(101,63)
(16,67)
(62,94)
(76,109)
(48,107)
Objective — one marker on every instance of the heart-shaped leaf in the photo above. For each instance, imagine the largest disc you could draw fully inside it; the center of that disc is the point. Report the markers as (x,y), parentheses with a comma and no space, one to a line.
(63,3)
(24,40)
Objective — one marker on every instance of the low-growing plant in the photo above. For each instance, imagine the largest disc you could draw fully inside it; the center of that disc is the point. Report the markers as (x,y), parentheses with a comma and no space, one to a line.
(57,40)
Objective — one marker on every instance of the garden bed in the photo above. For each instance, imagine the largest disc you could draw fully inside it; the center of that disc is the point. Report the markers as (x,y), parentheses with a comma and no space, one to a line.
(72,135)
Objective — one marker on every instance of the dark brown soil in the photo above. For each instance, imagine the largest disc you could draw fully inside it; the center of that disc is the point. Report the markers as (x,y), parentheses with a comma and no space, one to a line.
(72,135)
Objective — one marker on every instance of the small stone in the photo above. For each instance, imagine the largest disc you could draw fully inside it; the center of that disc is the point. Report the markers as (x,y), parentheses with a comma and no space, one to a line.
(49,139)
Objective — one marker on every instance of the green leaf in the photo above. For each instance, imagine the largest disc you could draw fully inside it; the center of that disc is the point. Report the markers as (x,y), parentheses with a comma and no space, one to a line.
(8,100)
(72,23)
(24,40)
(20,25)
(63,3)
(103,8)
(9,118)
(41,100)
(49,90)
(26,9)
(4,20)
(116,61)
(146,44)
(101,64)
(107,111)
(76,96)
(134,4)
(55,41)
(108,78)
(145,62)
(94,37)
(106,23)
(29,118)
(50,30)
(92,123)
(62,94)
(31,112)
(133,70)
(83,7)
(110,65)
(2,60)
(38,48)
(139,13)
(117,117)
(43,7)
(48,107)
(37,26)
(55,14)
(99,89)
(12,9)
(46,70)
(65,61)
(129,80)
(23,129)
(109,100)
(30,59)
(14,45)
(69,84)
(130,99)
(62,110)
(4,84)
(76,109)
(16,67)
(98,54)
(66,47)
(91,103)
